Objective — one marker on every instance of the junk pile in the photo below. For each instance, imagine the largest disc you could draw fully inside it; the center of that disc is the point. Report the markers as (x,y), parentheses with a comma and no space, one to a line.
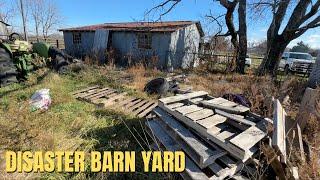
(221,139)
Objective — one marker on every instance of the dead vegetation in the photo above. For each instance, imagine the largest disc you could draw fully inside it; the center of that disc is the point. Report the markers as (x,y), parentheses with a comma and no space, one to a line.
(25,130)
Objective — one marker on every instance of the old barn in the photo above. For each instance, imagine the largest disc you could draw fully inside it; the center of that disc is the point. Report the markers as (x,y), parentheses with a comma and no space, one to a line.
(172,44)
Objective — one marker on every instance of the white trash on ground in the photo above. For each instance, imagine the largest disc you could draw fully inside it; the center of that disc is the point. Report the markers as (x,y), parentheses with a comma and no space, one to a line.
(40,100)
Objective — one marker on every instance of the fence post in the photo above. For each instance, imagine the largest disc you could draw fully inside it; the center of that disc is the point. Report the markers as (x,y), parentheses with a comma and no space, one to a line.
(57,42)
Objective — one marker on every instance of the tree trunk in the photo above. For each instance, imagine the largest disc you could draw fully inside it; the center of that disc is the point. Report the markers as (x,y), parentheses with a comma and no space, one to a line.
(274,52)
(233,34)
(242,53)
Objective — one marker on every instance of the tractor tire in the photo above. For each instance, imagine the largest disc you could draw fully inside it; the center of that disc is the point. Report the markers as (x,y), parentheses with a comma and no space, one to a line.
(60,64)
(314,78)
(8,71)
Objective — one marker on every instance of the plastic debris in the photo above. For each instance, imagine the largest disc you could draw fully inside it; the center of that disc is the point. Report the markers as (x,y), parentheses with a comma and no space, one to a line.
(40,100)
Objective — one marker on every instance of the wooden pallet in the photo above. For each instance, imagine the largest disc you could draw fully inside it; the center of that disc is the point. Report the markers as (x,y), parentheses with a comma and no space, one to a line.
(234,133)
(223,167)
(108,97)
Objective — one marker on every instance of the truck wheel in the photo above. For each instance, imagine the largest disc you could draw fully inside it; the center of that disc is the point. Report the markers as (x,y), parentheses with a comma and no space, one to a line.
(8,71)
(286,70)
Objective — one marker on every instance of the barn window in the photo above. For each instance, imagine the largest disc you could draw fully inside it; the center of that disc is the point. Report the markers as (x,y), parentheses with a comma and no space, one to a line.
(144,41)
(76,38)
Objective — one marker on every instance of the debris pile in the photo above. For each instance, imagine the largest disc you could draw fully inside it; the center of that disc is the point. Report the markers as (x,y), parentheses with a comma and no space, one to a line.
(221,139)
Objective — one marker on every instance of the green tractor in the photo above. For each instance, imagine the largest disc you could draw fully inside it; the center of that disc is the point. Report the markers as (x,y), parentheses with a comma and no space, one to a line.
(18,58)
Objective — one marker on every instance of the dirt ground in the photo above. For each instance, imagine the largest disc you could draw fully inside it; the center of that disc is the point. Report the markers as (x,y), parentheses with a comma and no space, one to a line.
(70,124)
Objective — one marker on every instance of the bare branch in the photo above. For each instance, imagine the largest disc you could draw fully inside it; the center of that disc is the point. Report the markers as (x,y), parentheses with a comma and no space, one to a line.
(172,3)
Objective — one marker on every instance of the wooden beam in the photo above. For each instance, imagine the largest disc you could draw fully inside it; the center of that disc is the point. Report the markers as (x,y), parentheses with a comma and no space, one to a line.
(181,97)
(279,132)
(235,118)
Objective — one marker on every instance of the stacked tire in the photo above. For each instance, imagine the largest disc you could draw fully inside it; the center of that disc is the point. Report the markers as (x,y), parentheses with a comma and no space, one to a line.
(8,71)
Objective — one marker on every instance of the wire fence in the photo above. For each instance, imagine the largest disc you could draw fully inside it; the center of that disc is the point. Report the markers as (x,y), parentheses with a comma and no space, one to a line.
(59,43)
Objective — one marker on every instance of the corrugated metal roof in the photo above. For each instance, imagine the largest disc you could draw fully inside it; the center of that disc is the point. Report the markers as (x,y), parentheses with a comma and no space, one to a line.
(167,26)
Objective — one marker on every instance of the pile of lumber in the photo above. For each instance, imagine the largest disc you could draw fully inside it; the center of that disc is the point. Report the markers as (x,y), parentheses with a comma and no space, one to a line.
(221,139)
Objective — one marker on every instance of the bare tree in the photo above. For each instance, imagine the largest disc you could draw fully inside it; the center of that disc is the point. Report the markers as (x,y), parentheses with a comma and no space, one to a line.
(305,15)
(37,9)
(6,12)
(50,18)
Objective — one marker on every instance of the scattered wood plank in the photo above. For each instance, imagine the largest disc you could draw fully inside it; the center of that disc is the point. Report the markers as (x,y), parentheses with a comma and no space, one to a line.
(204,113)
(279,132)
(83,90)
(235,118)
(198,151)
(248,138)
(181,97)
(272,158)
(242,154)
(188,109)
(192,171)
(234,110)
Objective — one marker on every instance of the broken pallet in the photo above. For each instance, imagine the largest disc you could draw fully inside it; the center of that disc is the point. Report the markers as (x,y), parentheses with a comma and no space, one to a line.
(223,167)
(232,132)
(108,97)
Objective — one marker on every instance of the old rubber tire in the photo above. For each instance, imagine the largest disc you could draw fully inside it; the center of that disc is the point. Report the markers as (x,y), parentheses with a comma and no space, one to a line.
(158,86)
(8,71)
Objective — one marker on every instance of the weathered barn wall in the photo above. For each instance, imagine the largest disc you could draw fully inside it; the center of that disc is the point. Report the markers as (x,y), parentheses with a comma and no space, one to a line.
(85,48)
(126,43)
(169,49)
(100,44)
(184,47)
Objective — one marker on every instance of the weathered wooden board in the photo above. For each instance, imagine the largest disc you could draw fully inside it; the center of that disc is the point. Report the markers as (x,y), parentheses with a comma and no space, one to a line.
(198,151)
(192,171)
(188,109)
(175,105)
(83,90)
(248,138)
(235,118)
(204,113)
(211,121)
(181,97)
(279,132)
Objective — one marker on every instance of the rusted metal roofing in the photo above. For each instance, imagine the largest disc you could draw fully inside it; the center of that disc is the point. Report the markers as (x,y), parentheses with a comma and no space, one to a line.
(167,26)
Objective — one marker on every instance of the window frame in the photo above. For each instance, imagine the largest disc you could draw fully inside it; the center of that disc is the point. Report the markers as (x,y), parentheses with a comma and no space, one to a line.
(76,38)
(144,40)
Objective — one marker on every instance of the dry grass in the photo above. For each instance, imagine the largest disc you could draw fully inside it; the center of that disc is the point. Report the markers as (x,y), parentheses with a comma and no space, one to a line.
(74,125)
(140,76)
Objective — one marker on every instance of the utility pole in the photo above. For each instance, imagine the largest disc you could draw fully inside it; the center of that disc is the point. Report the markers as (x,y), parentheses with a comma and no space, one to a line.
(24,21)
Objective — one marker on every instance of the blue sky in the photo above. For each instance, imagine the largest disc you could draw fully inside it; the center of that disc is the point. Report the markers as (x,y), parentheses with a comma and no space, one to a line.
(87,12)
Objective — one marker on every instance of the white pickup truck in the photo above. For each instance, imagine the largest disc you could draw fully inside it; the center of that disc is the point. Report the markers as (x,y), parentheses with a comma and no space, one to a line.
(296,62)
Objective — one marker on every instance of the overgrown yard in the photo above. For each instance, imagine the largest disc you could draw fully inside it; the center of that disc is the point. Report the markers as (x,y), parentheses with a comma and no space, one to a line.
(70,124)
